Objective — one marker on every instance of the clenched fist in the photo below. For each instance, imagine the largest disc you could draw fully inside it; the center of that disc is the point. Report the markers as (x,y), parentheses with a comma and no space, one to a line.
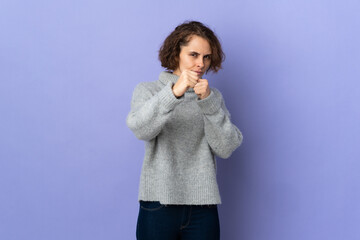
(189,79)
(202,88)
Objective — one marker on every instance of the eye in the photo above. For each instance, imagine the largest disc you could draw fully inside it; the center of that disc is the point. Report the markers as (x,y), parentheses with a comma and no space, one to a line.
(193,54)
(207,56)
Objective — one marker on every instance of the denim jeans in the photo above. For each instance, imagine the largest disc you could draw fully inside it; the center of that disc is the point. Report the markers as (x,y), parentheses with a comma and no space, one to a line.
(157,221)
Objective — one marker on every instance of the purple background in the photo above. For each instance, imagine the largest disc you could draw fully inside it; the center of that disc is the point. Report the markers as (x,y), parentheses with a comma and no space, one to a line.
(70,167)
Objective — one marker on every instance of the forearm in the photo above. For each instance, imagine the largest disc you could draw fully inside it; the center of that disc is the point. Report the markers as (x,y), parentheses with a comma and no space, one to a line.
(222,135)
(148,116)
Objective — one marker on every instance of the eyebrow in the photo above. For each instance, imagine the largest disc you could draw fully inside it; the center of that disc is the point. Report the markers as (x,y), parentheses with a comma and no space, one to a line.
(199,53)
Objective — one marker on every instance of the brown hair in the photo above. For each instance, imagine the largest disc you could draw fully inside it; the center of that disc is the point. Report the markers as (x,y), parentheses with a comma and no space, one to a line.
(170,50)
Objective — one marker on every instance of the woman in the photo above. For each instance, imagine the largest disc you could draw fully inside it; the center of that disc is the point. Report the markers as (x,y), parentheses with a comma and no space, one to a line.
(184,123)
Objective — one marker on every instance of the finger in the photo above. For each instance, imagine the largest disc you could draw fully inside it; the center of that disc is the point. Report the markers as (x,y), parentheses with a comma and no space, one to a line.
(199,91)
(196,89)
(194,75)
(193,81)
(192,85)
(203,81)
(190,73)
(201,84)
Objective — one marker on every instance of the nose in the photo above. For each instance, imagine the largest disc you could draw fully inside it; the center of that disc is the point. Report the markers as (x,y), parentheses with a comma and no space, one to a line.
(200,62)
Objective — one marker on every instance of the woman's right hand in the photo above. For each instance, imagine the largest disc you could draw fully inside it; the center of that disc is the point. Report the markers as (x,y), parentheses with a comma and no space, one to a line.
(188,79)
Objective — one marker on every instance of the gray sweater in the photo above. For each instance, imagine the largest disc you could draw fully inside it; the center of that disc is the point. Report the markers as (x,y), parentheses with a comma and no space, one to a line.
(182,136)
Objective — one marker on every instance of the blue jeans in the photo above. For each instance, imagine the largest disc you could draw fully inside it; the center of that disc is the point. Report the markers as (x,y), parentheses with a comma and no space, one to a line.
(157,221)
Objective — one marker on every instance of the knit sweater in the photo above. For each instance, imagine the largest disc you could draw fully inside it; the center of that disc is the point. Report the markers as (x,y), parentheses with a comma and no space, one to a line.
(182,137)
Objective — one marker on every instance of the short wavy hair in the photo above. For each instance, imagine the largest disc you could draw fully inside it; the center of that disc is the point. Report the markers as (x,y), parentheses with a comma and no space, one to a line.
(170,50)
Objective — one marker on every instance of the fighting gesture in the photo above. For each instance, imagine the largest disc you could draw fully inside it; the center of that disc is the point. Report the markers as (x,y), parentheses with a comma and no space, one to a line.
(202,88)
(189,79)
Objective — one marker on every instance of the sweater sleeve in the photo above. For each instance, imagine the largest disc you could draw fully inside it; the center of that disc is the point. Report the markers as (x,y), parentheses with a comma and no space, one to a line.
(222,136)
(149,112)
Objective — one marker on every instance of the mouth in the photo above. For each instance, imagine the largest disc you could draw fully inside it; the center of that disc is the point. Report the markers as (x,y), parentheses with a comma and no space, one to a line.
(199,72)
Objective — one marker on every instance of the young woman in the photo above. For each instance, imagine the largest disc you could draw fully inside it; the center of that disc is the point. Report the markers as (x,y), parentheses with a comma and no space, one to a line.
(184,124)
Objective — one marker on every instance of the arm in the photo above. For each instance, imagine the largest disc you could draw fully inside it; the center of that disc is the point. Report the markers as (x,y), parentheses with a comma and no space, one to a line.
(222,136)
(150,112)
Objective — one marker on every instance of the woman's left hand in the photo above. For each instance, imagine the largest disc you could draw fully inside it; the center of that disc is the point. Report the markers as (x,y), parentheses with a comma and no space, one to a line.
(202,88)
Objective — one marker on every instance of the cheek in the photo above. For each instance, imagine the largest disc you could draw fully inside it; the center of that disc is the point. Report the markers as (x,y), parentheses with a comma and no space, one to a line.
(187,62)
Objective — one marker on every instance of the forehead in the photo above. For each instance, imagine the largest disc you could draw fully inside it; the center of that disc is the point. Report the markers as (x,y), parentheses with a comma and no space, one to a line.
(198,44)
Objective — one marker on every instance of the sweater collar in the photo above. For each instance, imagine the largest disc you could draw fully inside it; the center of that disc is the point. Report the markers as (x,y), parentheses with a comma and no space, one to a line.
(166,77)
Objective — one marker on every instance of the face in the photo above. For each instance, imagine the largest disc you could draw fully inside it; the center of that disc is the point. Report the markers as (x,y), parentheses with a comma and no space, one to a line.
(196,56)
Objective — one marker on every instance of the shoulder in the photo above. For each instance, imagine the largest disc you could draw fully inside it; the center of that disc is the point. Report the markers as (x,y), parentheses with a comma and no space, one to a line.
(151,86)
(216,92)
(147,89)
(144,85)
